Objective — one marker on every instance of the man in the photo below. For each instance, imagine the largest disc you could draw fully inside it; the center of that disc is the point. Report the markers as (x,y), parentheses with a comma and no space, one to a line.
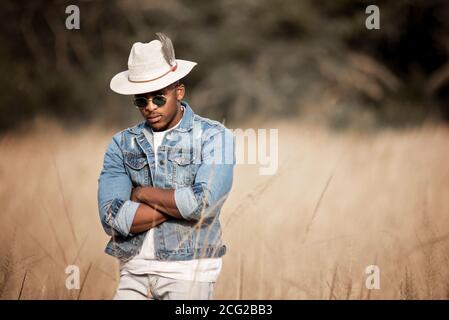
(163,184)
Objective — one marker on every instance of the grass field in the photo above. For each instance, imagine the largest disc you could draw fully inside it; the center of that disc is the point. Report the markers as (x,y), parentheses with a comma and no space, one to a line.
(339,203)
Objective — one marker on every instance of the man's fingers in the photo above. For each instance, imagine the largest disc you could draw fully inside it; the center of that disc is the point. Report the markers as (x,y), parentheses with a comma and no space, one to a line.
(134,194)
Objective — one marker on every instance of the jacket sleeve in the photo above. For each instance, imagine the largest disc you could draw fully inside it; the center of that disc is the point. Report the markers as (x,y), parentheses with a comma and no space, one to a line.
(213,179)
(116,209)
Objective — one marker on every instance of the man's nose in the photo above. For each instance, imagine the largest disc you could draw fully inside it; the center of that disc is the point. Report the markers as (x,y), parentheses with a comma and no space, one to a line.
(151,106)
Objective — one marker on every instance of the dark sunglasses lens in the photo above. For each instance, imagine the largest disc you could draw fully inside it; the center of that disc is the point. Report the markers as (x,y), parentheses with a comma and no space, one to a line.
(159,100)
(140,102)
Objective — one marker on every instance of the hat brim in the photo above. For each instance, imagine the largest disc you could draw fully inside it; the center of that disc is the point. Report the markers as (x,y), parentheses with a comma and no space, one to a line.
(121,84)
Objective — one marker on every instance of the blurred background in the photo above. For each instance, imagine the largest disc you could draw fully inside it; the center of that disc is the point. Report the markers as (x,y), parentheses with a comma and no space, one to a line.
(362,116)
(266,59)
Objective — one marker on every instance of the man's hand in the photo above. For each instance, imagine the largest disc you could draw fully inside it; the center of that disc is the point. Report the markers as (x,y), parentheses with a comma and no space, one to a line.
(135,194)
(159,199)
(147,216)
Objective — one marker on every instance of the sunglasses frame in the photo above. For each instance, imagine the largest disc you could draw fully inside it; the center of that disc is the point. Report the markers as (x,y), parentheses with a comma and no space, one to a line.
(174,85)
(164,101)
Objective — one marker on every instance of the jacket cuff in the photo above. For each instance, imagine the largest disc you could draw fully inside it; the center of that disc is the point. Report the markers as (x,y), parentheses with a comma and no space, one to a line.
(189,201)
(121,215)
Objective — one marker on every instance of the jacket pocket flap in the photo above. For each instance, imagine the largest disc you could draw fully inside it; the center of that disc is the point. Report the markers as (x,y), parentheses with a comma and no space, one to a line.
(135,161)
(180,156)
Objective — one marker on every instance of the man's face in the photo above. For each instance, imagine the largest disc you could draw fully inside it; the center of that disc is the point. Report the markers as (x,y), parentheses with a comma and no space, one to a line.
(166,116)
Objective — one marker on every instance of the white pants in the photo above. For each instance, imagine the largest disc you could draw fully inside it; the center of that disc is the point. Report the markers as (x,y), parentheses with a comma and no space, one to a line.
(154,287)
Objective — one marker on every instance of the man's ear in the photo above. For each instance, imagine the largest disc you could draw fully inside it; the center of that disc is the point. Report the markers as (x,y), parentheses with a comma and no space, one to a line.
(180,92)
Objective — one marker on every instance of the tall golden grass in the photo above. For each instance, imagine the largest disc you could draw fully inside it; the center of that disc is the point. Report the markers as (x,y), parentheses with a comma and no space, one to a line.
(339,202)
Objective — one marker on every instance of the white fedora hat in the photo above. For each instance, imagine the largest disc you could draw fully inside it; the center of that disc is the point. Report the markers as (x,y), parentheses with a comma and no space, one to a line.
(151,66)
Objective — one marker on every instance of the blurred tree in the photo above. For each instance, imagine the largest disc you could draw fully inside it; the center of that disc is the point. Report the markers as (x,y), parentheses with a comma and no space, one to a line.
(271,59)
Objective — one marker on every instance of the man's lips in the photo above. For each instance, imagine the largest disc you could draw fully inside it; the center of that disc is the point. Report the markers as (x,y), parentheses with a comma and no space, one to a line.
(154,119)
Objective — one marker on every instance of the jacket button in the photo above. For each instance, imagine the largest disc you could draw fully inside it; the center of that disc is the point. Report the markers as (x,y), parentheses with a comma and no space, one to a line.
(161,162)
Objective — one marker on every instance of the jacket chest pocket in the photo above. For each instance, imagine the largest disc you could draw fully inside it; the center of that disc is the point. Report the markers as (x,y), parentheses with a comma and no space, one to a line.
(182,166)
(136,165)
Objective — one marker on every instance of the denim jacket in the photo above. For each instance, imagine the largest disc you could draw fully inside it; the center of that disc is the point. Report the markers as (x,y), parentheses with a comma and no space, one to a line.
(196,159)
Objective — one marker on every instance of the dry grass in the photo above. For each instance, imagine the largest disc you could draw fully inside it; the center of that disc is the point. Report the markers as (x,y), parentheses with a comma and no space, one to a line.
(339,203)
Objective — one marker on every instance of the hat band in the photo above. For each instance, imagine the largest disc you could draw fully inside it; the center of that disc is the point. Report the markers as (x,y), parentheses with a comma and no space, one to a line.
(171,69)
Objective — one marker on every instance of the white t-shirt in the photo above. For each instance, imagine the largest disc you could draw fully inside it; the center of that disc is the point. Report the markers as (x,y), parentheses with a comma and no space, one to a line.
(204,269)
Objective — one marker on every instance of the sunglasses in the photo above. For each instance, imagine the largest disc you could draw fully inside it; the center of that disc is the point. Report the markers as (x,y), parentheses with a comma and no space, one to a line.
(158,100)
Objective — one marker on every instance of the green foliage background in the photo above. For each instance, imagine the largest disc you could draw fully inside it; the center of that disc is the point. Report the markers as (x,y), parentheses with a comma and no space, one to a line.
(310,59)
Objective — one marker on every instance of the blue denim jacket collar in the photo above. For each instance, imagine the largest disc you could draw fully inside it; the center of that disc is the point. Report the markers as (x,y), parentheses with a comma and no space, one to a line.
(185,125)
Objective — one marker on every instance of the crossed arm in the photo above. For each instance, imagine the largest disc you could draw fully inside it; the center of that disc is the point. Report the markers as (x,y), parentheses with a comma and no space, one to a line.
(156,206)
(126,211)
